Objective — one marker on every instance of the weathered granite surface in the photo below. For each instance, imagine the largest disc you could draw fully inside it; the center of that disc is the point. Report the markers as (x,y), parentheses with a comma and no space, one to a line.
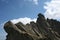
(43,29)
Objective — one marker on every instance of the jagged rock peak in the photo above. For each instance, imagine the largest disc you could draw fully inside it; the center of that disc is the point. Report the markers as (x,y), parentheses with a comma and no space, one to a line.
(40,15)
(43,29)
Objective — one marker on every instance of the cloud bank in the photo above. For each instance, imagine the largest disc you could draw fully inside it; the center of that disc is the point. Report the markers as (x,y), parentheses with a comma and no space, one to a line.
(24,20)
(52,9)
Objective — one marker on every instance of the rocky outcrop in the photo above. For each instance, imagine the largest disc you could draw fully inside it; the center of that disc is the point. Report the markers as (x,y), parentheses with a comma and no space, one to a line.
(43,29)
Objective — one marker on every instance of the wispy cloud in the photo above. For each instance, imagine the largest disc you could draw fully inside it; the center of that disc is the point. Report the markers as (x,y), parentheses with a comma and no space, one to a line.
(24,20)
(34,1)
(2,32)
(52,9)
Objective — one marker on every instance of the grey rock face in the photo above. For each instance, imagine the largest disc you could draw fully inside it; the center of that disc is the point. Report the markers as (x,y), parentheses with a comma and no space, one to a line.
(43,29)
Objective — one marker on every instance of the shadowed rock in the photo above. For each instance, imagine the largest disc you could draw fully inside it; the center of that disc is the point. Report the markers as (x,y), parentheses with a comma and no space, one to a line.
(43,29)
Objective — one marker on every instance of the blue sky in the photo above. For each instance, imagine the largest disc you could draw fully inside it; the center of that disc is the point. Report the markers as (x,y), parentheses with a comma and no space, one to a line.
(10,9)
(14,9)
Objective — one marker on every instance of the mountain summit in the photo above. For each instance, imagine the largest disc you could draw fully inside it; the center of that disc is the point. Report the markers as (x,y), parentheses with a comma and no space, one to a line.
(43,29)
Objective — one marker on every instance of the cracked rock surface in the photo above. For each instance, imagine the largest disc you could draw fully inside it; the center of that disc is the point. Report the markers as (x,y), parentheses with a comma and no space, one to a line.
(43,29)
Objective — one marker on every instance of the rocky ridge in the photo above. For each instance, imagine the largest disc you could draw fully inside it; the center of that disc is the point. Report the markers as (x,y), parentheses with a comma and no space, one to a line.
(43,29)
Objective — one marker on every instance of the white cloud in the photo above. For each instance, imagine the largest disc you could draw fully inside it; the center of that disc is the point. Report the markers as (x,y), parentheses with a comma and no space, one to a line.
(2,32)
(23,20)
(34,1)
(52,9)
